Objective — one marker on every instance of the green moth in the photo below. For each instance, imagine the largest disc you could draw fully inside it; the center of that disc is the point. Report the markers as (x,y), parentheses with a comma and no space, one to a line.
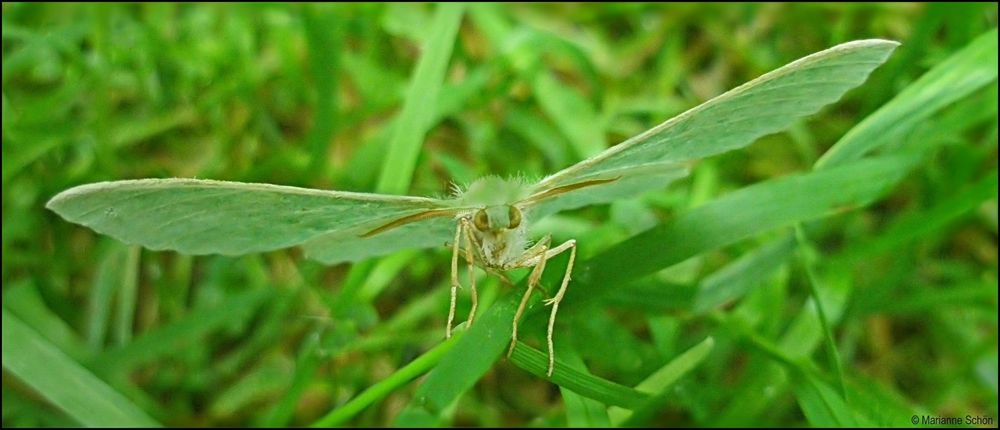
(485,223)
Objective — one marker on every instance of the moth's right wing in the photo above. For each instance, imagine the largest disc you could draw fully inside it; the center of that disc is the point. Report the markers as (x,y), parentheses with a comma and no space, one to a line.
(359,243)
(738,117)
(195,216)
(603,187)
(732,120)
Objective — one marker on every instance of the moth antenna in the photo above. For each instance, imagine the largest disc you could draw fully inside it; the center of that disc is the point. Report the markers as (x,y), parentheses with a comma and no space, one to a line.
(455,189)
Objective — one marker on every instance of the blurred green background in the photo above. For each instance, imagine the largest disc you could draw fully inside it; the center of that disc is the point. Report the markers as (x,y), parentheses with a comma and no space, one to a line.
(313,95)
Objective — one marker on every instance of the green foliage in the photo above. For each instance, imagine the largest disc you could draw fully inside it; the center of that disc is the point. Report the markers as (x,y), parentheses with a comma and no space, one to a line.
(63,382)
(692,305)
(415,117)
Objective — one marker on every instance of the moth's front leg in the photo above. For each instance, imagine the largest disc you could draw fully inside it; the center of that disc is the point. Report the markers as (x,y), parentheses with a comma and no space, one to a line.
(465,226)
(454,278)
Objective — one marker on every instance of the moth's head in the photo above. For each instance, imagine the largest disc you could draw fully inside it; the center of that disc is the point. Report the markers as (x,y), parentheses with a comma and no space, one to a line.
(496,219)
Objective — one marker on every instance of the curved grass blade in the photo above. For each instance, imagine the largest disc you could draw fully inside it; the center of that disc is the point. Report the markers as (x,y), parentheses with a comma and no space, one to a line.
(23,299)
(378,391)
(610,393)
(64,382)
(822,405)
(728,284)
(580,411)
(738,215)
(659,383)
(308,361)
(808,257)
(469,359)
(961,74)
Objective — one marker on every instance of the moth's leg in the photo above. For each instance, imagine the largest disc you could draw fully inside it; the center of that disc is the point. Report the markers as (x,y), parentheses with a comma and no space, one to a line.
(529,258)
(571,244)
(554,301)
(472,273)
(539,249)
(503,278)
(454,278)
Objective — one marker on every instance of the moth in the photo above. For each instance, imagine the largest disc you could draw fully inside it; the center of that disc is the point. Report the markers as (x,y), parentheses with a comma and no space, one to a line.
(484,223)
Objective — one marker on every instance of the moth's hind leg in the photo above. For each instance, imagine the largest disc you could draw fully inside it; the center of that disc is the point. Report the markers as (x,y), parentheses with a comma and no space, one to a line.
(554,301)
(571,244)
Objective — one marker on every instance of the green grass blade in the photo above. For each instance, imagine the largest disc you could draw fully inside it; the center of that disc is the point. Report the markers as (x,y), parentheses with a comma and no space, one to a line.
(808,257)
(873,404)
(738,215)
(308,360)
(414,119)
(127,296)
(960,75)
(378,391)
(571,112)
(24,301)
(726,285)
(107,281)
(822,405)
(263,381)
(64,382)
(537,363)
(581,412)
(660,382)
(323,33)
(470,358)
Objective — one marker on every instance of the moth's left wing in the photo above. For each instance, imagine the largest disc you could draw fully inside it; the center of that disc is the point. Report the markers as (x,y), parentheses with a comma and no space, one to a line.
(194,216)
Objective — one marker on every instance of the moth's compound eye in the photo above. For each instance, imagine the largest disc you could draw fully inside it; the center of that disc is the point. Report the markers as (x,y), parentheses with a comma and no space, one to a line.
(481,220)
(514,215)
